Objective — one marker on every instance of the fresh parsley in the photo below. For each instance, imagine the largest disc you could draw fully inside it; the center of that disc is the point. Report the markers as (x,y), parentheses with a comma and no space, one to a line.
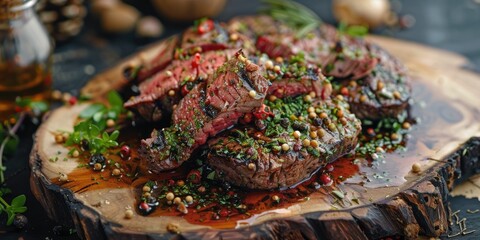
(352,30)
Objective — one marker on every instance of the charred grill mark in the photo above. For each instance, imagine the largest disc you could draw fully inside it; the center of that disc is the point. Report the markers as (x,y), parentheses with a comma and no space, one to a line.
(247,82)
(208,109)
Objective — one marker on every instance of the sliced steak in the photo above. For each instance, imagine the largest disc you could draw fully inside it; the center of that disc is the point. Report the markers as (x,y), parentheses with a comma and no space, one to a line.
(209,36)
(385,92)
(147,69)
(161,92)
(204,37)
(343,57)
(292,77)
(276,157)
(257,25)
(235,89)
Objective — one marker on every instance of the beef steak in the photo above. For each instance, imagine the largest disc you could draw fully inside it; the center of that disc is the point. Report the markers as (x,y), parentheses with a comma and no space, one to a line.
(161,92)
(236,88)
(289,149)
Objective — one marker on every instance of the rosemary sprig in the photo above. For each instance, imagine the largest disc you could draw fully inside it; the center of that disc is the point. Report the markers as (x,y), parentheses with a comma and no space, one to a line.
(293,14)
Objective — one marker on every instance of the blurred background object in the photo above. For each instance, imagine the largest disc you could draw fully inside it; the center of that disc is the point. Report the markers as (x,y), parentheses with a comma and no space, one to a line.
(63,18)
(370,13)
(25,54)
(188,10)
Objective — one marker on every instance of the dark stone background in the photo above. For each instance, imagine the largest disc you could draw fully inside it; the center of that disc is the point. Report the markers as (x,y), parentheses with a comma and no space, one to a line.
(447,24)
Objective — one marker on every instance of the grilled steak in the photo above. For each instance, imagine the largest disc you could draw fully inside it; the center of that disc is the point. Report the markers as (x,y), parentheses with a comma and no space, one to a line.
(163,58)
(206,36)
(343,58)
(383,93)
(236,88)
(162,91)
(277,156)
(292,77)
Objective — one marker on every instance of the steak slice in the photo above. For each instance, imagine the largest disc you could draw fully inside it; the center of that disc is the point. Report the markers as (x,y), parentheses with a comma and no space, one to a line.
(292,77)
(212,38)
(155,99)
(235,89)
(385,92)
(342,57)
(275,157)
(147,69)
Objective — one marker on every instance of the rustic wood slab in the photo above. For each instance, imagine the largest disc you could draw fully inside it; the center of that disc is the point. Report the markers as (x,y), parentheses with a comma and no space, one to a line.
(445,142)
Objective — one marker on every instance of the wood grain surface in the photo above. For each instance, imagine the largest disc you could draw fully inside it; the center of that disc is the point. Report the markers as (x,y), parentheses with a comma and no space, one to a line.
(443,142)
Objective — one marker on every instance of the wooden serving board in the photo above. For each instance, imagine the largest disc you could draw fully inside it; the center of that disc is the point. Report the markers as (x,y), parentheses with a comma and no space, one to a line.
(403,204)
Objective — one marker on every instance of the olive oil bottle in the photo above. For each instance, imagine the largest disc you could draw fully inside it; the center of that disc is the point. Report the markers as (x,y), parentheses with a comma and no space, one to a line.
(25,55)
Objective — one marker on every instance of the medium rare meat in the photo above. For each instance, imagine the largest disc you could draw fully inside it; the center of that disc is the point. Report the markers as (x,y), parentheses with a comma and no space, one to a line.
(160,93)
(298,140)
(161,60)
(205,36)
(236,88)
(292,77)
(343,57)
(385,92)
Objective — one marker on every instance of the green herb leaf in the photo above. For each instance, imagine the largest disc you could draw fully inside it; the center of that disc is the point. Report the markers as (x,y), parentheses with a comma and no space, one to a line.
(115,100)
(19,201)
(91,110)
(353,30)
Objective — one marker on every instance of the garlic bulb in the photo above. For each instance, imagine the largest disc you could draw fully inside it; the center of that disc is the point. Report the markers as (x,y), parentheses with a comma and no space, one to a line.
(369,13)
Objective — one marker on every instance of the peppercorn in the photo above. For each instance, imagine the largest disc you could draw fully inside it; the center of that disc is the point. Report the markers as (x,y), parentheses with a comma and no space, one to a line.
(189,199)
(329,167)
(285,147)
(320,133)
(340,113)
(97,167)
(171,93)
(307,98)
(146,188)
(380,85)
(343,121)
(397,95)
(363,98)
(233,37)
(416,168)
(313,134)
(125,152)
(314,143)
(272,98)
(394,136)
(177,200)
(20,221)
(75,153)
(59,138)
(323,115)
(252,93)
(63,177)
(276,68)
(180,183)
(312,115)
(276,198)
(296,134)
(110,123)
(325,179)
(128,214)
(268,64)
(97,158)
(170,196)
(306,142)
(406,125)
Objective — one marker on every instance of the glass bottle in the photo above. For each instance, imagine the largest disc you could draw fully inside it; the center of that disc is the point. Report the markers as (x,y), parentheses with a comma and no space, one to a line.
(25,55)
